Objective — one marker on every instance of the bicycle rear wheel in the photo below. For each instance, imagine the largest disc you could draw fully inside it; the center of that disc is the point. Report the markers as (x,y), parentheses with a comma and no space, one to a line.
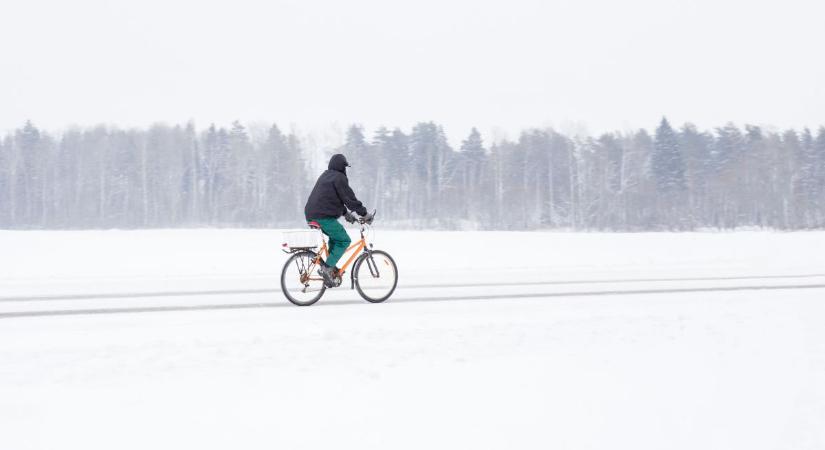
(376,276)
(300,281)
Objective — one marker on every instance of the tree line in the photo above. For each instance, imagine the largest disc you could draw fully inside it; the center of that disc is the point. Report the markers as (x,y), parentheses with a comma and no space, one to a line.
(177,176)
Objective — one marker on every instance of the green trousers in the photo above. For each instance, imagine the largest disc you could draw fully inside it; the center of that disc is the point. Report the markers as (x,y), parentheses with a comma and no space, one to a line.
(338,239)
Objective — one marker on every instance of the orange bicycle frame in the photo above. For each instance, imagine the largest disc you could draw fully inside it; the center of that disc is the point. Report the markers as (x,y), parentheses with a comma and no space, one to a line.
(358,246)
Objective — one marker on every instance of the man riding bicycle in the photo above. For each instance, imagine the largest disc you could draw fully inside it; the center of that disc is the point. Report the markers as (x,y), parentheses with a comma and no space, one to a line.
(328,201)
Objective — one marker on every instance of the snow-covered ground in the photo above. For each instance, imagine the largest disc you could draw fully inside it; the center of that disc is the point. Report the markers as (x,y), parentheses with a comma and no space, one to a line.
(181,339)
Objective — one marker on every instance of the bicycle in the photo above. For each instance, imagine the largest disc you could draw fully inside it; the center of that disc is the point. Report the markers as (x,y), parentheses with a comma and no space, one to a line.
(374,274)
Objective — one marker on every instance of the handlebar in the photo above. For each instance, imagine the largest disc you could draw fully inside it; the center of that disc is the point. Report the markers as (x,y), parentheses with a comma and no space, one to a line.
(365,220)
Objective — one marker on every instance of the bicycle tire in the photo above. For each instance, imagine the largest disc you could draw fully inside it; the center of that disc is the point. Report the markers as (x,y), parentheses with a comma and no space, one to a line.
(307,256)
(355,272)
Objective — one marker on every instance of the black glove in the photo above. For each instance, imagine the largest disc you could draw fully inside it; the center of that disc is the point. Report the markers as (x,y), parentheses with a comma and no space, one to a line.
(368,218)
(349,217)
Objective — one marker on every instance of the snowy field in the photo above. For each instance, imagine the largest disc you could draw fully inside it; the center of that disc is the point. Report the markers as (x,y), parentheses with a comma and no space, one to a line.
(181,339)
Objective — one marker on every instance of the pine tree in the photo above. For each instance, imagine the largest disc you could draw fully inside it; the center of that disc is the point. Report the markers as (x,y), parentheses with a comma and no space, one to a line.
(6,171)
(28,178)
(298,186)
(639,186)
(729,145)
(667,163)
(279,178)
(381,181)
(397,174)
(362,164)
(819,152)
(614,157)
(471,162)
(423,147)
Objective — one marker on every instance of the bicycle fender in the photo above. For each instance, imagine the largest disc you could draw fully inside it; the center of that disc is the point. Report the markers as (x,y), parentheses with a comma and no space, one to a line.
(355,266)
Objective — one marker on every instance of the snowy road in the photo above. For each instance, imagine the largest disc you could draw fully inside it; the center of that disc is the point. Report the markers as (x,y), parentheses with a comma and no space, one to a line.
(194,300)
(617,341)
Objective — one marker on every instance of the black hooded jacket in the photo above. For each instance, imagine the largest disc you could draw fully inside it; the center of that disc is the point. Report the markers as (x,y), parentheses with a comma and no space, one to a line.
(332,192)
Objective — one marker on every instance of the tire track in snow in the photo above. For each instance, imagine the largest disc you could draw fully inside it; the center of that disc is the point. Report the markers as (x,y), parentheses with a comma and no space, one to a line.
(180,293)
(95,311)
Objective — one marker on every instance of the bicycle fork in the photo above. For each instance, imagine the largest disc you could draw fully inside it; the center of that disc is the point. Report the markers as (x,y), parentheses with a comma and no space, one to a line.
(370,264)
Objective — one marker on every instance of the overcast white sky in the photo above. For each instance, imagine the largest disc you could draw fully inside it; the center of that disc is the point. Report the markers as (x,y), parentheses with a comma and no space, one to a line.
(509,64)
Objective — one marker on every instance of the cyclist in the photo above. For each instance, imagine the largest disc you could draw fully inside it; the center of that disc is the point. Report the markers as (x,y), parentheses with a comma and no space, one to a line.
(328,201)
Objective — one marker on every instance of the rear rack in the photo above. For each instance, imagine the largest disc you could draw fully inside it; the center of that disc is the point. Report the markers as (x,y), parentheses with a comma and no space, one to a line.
(287,249)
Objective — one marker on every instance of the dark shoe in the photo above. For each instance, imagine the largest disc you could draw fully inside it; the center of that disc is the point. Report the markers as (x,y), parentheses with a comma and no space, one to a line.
(327,273)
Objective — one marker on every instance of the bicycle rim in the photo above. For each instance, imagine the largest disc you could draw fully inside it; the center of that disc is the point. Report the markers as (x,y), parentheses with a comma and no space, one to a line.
(376,276)
(300,281)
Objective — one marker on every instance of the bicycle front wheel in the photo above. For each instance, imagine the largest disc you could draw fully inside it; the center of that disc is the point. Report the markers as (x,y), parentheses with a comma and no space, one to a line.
(376,276)
(300,280)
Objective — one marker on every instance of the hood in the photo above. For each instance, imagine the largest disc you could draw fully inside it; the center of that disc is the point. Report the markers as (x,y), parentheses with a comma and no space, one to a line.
(339,163)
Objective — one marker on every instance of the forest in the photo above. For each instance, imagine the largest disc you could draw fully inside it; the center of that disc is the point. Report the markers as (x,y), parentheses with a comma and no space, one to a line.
(670,178)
